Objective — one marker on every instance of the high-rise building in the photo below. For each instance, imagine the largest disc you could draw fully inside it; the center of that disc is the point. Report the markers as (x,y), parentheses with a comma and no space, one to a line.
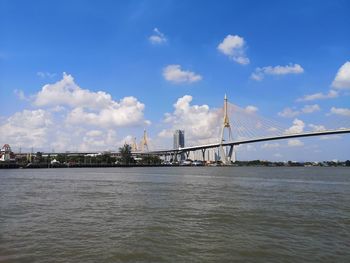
(179,139)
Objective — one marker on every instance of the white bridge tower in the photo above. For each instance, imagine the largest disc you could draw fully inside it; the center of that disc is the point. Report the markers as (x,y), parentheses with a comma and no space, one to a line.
(227,156)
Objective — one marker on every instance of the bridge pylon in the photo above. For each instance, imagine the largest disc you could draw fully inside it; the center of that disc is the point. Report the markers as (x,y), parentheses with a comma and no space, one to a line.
(144,142)
(226,155)
(134,145)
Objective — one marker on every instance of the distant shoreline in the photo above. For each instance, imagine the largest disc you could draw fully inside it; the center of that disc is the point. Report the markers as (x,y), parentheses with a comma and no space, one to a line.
(43,166)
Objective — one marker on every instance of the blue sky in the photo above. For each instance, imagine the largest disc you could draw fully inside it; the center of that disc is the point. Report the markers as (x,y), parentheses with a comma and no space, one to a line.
(295,48)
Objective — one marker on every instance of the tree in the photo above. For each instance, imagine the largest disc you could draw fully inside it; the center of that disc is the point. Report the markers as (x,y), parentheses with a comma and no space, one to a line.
(39,157)
(125,153)
(151,159)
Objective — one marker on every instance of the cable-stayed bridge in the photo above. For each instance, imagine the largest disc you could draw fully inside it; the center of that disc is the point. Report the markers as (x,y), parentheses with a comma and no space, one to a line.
(243,126)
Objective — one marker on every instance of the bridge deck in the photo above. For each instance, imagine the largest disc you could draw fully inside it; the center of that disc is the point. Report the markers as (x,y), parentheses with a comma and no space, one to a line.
(215,145)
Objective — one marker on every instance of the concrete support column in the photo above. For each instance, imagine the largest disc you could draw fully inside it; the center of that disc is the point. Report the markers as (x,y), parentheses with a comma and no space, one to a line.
(203,155)
(175,154)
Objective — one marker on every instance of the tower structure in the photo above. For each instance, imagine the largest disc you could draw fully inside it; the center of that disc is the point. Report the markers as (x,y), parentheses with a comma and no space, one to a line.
(134,145)
(144,142)
(179,142)
(226,154)
(179,139)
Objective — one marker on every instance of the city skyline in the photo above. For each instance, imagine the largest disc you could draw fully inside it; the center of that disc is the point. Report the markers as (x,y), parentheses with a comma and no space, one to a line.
(93,76)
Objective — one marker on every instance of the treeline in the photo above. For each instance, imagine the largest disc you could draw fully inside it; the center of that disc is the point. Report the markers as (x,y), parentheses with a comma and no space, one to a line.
(105,159)
(291,163)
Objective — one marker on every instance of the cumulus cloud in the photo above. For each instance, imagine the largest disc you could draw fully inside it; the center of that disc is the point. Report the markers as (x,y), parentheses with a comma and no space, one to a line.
(295,143)
(288,113)
(200,122)
(340,111)
(71,118)
(67,93)
(340,82)
(94,133)
(251,109)
(297,127)
(99,140)
(234,47)
(128,112)
(319,96)
(175,74)
(270,145)
(311,108)
(317,128)
(307,109)
(28,127)
(277,70)
(342,79)
(157,38)
(89,107)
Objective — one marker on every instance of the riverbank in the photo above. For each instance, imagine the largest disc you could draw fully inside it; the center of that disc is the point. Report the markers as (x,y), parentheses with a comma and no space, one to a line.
(44,165)
(10,165)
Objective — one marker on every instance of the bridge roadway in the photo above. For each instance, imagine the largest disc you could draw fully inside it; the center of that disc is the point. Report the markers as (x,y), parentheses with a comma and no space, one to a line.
(213,145)
(233,143)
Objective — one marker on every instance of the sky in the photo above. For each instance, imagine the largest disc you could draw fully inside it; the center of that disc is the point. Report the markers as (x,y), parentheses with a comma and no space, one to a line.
(92,75)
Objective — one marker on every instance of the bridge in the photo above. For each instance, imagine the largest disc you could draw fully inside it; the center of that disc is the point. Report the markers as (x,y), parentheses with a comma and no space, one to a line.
(225,146)
(246,126)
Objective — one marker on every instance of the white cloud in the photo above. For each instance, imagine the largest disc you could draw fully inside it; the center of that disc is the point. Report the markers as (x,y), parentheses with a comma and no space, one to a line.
(319,96)
(94,133)
(257,76)
(251,109)
(295,143)
(288,113)
(166,133)
(234,46)
(297,127)
(157,38)
(277,70)
(330,137)
(73,119)
(175,74)
(340,111)
(89,107)
(270,145)
(128,112)
(26,128)
(342,79)
(317,128)
(311,108)
(67,93)
(200,123)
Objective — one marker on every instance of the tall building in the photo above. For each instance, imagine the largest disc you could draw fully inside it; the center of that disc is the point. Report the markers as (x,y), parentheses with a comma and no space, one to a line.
(179,139)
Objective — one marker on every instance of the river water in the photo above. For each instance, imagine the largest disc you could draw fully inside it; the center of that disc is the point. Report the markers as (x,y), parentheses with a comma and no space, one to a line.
(175,214)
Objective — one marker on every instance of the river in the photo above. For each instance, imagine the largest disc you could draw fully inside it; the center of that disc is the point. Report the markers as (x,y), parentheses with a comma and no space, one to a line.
(175,214)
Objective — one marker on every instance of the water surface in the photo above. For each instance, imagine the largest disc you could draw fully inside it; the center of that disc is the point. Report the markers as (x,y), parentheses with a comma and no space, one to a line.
(175,214)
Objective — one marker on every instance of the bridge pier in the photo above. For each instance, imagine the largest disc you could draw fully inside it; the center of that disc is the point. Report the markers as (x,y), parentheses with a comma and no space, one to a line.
(203,155)
(175,156)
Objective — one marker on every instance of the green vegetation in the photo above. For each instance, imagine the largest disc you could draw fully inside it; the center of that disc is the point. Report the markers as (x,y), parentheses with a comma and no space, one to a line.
(125,154)
(151,160)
